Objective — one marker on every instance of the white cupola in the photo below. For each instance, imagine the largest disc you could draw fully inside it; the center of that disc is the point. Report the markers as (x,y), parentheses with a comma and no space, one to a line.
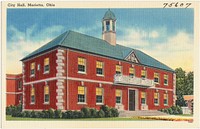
(109,27)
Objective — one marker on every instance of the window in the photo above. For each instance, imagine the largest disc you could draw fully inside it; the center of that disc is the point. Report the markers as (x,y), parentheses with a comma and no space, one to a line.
(118,69)
(165,99)
(143,74)
(107,25)
(99,95)
(32,69)
(81,65)
(32,95)
(99,68)
(156,98)
(19,85)
(46,65)
(118,96)
(131,72)
(81,94)
(156,77)
(46,94)
(113,25)
(165,79)
(143,97)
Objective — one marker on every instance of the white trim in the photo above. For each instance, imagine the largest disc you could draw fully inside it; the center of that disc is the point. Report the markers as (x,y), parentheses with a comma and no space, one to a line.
(12,78)
(67,80)
(14,93)
(88,80)
(43,80)
(160,88)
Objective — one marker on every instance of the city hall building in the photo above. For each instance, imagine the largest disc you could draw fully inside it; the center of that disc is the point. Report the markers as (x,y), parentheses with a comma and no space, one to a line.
(75,70)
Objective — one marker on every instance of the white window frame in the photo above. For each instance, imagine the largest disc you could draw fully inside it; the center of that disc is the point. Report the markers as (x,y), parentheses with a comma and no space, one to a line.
(156,104)
(101,75)
(120,97)
(100,103)
(81,72)
(167,80)
(85,98)
(49,95)
(46,72)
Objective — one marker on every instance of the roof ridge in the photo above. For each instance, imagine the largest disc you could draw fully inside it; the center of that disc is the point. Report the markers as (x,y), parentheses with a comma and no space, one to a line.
(64,37)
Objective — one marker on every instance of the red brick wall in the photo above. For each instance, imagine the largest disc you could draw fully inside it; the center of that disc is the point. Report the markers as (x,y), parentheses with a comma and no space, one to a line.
(39,74)
(12,90)
(39,96)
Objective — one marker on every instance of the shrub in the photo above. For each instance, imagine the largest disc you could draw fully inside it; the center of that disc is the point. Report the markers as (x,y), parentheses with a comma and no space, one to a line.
(9,110)
(64,115)
(23,114)
(27,113)
(86,111)
(41,114)
(76,114)
(33,114)
(101,113)
(170,110)
(51,113)
(93,112)
(57,114)
(69,114)
(106,109)
(114,112)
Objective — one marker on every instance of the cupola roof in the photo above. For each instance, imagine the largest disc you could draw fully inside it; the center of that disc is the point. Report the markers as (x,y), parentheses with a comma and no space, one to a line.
(109,15)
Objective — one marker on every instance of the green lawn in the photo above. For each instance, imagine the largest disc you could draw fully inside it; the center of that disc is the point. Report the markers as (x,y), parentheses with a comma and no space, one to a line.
(10,118)
(185,115)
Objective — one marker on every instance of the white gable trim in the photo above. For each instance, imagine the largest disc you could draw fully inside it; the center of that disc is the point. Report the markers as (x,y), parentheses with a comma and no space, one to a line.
(128,58)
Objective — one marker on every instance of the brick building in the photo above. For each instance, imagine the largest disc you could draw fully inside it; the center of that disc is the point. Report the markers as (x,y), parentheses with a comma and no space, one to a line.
(76,70)
(14,87)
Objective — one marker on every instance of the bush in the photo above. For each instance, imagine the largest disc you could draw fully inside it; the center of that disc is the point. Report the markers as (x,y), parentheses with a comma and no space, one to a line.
(57,114)
(33,114)
(41,114)
(69,114)
(106,109)
(86,111)
(51,113)
(93,112)
(173,110)
(114,112)
(170,110)
(9,110)
(101,113)
(27,113)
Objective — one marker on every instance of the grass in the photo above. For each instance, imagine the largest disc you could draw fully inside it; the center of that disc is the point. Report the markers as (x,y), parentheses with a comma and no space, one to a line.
(10,118)
(185,115)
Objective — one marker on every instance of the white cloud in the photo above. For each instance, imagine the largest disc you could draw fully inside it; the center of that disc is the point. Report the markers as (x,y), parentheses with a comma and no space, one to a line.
(174,51)
(133,36)
(23,43)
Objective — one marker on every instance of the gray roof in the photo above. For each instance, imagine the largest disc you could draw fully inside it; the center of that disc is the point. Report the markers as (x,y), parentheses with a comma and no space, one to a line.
(109,15)
(82,42)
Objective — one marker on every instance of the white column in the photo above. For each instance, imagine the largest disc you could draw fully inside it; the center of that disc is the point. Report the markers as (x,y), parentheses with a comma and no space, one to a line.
(111,27)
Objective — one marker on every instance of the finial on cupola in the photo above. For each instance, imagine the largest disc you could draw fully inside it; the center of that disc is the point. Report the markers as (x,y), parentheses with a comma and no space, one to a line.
(109,27)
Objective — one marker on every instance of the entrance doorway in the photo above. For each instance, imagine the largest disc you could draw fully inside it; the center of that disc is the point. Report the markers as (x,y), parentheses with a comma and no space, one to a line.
(131,100)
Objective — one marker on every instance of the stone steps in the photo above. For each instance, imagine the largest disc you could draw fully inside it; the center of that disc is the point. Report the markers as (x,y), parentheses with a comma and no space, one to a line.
(141,113)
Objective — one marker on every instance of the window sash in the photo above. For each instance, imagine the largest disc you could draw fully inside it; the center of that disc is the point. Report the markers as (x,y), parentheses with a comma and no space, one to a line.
(81,98)
(46,89)
(118,93)
(46,61)
(32,98)
(32,91)
(81,61)
(99,91)
(99,99)
(32,66)
(143,73)
(118,99)
(99,71)
(143,94)
(118,68)
(81,90)
(143,100)
(155,95)
(99,64)
(46,98)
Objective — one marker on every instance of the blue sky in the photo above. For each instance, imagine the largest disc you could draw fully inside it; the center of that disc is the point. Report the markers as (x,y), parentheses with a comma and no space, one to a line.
(166,34)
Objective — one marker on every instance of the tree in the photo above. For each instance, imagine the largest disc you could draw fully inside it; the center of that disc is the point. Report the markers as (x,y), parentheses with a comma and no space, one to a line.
(184,85)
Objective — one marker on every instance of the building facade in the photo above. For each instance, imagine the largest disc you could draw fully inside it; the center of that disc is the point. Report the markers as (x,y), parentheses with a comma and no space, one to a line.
(14,86)
(75,70)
